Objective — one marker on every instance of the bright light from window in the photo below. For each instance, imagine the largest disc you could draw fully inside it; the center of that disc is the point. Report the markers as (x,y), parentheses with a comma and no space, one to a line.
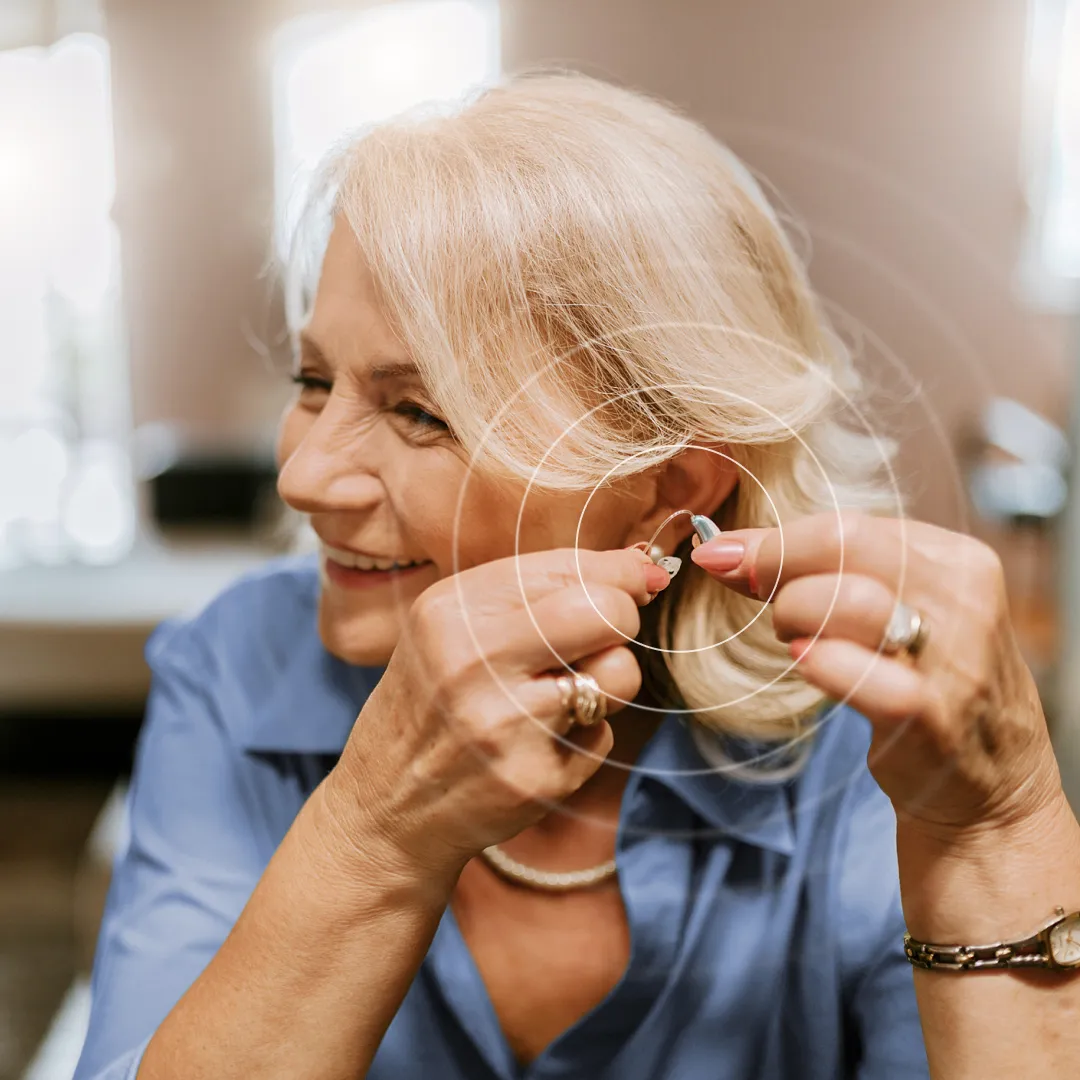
(97,517)
(62,364)
(1061,232)
(1052,261)
(335,74)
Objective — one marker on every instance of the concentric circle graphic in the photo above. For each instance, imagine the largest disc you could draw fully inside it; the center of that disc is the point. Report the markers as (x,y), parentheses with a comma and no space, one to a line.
(928,308)
(600,484)
(826,712)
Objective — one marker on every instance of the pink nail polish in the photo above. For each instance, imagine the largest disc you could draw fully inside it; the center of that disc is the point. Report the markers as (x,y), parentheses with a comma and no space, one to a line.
(719,556)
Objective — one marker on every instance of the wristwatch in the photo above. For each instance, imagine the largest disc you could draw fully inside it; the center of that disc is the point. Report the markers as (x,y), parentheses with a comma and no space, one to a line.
(1055,945)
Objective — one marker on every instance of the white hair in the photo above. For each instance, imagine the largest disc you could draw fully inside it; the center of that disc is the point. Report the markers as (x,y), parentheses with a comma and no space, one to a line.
(590,282)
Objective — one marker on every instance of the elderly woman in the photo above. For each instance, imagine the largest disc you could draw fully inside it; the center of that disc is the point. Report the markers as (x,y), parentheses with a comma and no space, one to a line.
(490,787)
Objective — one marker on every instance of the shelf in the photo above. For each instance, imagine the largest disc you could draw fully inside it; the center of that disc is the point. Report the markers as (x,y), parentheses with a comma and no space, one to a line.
(72,637)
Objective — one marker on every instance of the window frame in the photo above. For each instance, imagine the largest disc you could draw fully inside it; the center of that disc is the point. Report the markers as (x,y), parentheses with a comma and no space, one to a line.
(1040,285)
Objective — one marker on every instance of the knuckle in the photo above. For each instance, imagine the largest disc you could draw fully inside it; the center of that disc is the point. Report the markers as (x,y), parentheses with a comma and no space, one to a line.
(464,666)
(626,672)
(982,583)
(487,734)
(624,567)
(618,609)
(985,563)
(632,567)
(862,594)
(835,533)
(850,527)
(428,615)
(477,725)
(617,670)
(519,783)
(577,604)
(894,709)
(622,662)
(783,611)
(562,566)
(446,650)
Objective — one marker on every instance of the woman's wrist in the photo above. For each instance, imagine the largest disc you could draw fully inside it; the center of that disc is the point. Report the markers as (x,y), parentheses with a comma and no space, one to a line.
(352,853)
(986,884)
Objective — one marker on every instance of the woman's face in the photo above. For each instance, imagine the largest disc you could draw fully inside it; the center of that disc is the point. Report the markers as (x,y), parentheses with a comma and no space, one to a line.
(363,452)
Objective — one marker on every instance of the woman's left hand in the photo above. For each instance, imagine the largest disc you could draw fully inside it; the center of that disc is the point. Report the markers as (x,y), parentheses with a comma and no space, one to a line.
(960,741)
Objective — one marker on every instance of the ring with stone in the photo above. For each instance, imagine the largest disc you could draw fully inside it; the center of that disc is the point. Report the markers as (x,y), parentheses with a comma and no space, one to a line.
(906,631)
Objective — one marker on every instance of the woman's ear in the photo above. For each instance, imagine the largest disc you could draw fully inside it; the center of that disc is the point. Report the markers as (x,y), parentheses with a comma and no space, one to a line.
(699,479)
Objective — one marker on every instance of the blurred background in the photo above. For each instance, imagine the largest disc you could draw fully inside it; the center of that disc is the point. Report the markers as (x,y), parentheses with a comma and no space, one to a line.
(151,152)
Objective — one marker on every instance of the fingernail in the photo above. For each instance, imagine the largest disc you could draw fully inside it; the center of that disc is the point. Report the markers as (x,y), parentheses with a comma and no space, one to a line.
(719,555)
(752,581)
(656,577)
(799,648)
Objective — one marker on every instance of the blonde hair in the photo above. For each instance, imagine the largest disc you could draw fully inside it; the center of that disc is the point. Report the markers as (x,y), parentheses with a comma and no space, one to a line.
(601,277)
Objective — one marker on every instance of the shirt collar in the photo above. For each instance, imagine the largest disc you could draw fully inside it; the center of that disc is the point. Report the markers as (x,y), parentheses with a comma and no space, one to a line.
(756,812)
(317,698)
(312,704)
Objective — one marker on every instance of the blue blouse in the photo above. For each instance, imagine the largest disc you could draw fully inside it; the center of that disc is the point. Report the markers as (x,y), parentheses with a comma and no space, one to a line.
(765,922)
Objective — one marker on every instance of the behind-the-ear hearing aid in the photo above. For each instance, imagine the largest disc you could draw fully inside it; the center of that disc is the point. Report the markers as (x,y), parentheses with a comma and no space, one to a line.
(705,528)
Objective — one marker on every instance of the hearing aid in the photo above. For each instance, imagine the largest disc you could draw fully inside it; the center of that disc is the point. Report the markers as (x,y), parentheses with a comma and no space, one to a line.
(705,529)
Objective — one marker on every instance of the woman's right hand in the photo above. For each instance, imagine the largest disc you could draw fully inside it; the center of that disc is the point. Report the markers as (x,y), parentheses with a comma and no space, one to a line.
(457,747)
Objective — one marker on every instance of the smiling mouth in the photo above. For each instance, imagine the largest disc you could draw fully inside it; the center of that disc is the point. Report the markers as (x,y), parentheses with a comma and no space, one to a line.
(352,560)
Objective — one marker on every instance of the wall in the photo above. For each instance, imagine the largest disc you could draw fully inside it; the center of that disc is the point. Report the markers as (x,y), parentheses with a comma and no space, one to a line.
(892,128)
(191,86)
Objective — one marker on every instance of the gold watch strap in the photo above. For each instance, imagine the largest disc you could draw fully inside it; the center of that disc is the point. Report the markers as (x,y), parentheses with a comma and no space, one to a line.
(1054,945)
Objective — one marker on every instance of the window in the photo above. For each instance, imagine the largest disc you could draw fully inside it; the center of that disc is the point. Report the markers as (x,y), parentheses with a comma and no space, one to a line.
(65,485)
(335,73)
(1051,260)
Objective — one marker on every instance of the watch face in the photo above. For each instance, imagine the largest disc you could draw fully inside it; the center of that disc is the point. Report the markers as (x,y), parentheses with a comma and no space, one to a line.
(1065,941)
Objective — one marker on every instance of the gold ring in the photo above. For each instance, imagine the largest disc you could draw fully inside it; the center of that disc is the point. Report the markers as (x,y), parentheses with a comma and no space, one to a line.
(581,700)
(590,704)
(565,687)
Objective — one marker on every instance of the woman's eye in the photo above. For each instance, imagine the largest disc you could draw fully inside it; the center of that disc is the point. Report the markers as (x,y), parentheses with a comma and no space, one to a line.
(420,417)
(311,382)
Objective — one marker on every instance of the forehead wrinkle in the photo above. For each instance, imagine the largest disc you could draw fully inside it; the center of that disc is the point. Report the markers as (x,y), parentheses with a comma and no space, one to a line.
(382,368)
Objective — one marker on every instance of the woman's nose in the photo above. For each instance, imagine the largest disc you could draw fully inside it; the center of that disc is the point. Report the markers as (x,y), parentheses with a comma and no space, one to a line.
(329,466)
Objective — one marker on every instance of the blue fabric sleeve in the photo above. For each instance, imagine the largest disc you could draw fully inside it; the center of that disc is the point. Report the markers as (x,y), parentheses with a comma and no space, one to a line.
(879,990)
(125,1067)
(187,869)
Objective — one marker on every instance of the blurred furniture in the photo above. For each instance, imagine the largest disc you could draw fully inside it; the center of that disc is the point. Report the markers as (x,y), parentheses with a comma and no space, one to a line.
(72,637)
(71,645)
(59,1051)
(1015,464)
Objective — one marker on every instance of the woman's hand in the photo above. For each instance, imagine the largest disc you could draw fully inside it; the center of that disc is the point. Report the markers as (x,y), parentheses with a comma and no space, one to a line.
(464,742)
(959,734)
(960,743)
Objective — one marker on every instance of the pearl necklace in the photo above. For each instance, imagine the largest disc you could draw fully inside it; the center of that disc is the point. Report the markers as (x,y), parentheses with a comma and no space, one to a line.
(546,880)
